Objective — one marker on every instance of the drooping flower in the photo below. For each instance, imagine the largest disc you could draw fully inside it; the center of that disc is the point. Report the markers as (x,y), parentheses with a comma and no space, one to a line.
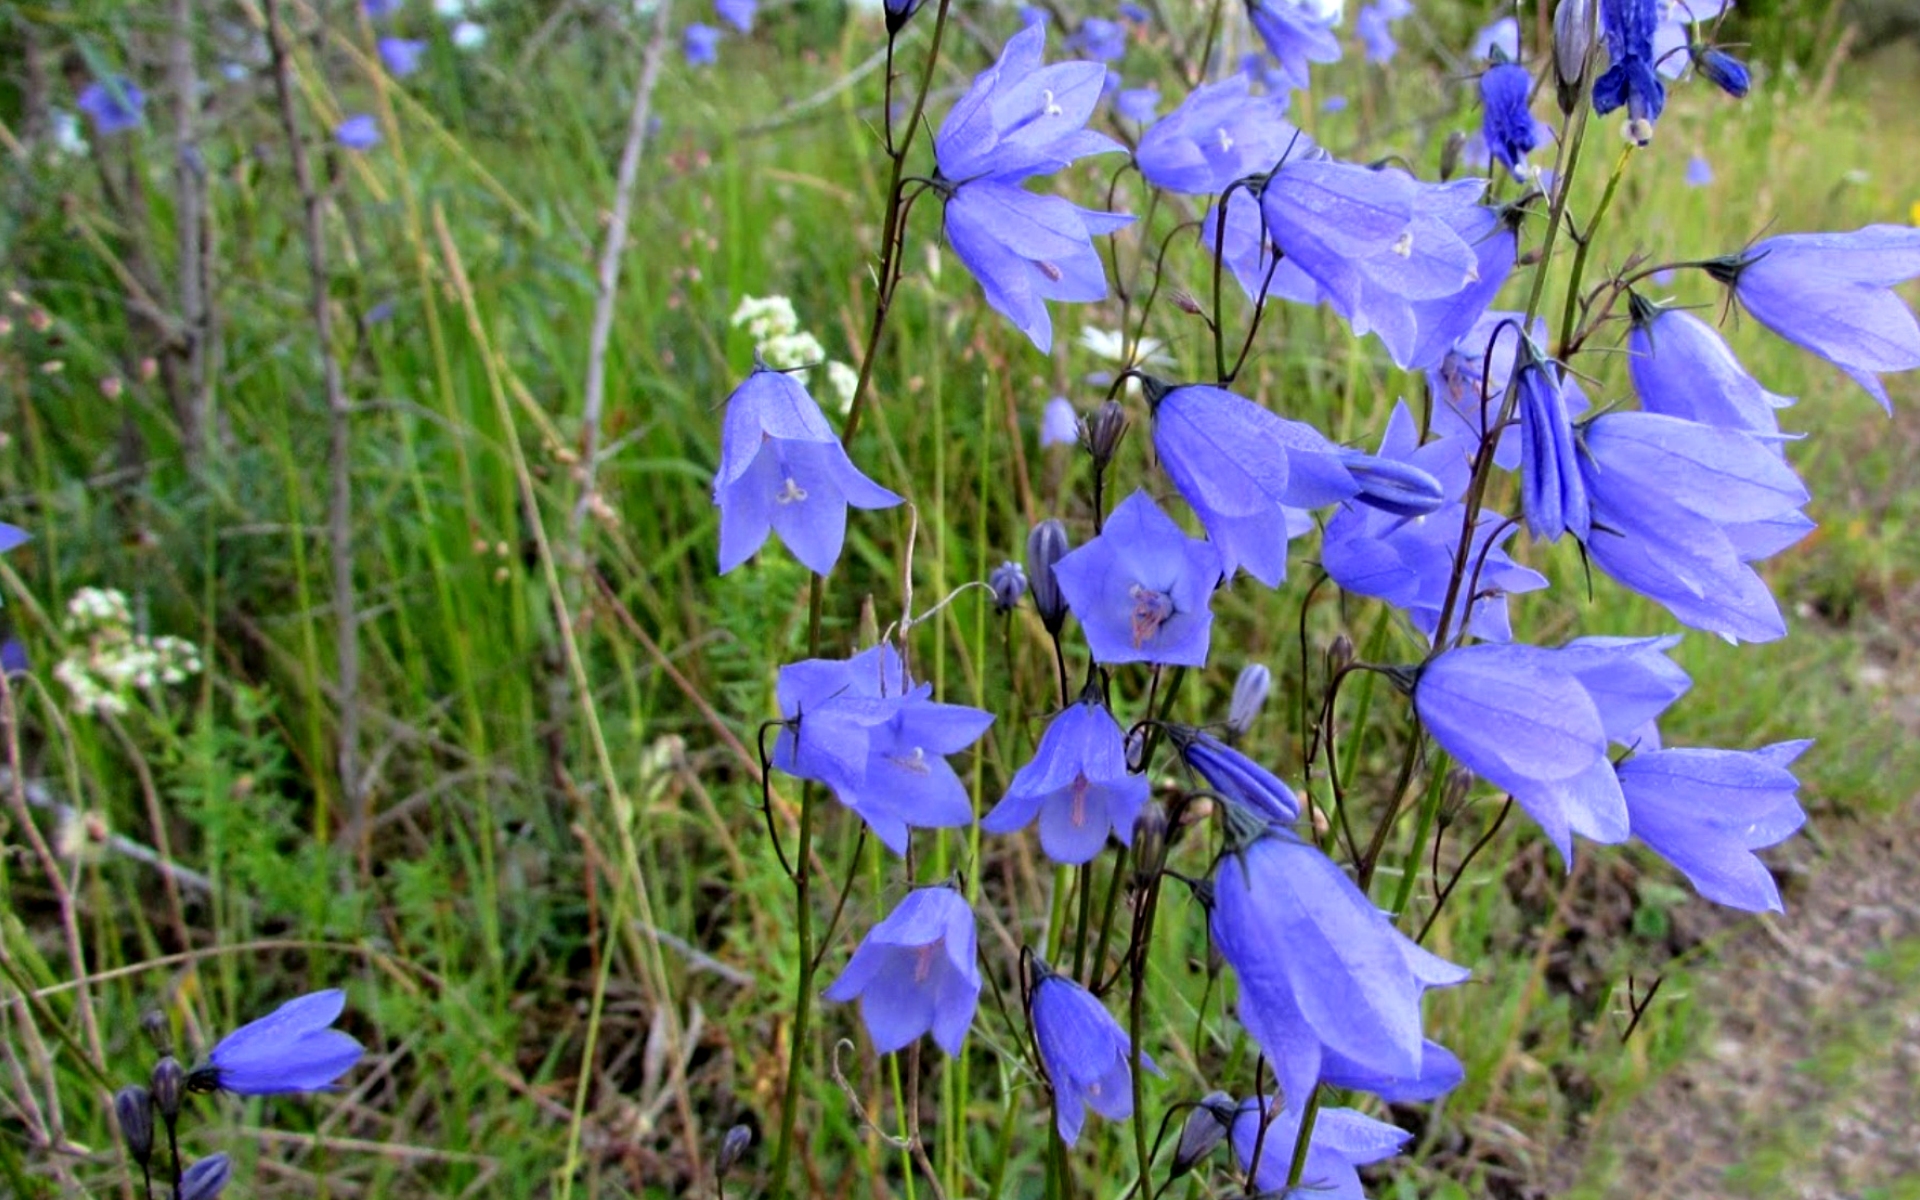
(1832,294)
(1631,80)
(1373,24)
(1009,583)
(113,105)
(700,43)
(1077,786)
(737,13)
(291,1049)
(1140,104)
(1699,171)
(1100,39)
(782,470)
(1059,424)
(1221,132)
(1553,491)
(1441,324)
(864,728)
(1087,1055)
(1500,37)
(1469,382)
(1325,980)
(1342,1140)
(358,132)
(916,972)
(1678,511)
(1296,35)
(1508,123)
(1682,367)
(1672,35)
(1707,811)
(1721,69)
(1142,588)
(1235,776)
(401,56)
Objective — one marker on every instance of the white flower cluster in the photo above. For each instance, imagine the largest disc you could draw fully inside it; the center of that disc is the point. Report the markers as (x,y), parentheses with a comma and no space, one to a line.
(110,660)
(783,345)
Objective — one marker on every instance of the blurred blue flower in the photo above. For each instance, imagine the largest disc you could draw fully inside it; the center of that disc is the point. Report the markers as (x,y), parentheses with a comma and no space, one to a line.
(1135,13)
(916,972)
(1235,776)
(1099,39)
(1832,294)
(1373,24)
(1295,35)
(291,1049)
(701,44)
(863,727)
(401,56)
(1059,424)
(1142,588)
(380,10)
(1699,171)
(358,132)
(1682,367)
(1553,493)
(1250,690)
(1008,582)
(737,13)
(782,470)
(1077,786)
(1324,977)
(1507,122)
(1707,811)
(1672,35)
(1342,1139)
(1087,1055)
(1502,36)
(1140,104)
(1218,134)
(1680,509)
(1722,70)
(206,1178)
(1033,14)
(113,105)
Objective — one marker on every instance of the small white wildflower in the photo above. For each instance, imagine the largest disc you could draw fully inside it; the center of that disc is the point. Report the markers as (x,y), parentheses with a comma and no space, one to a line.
(843,379)
(68,137)
(469,35)
(1111,344)
(449,10)
(766,317)
(793,350)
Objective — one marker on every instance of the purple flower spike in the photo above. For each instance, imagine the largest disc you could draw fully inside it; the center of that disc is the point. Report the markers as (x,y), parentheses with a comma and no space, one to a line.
(113,105)
(865,729)
(1295,36)
(782,470)
(1077,786)
(1832,294)
(1508,123)
(1325,979)
(1141,589)
(1220,133)
(1237,777)
(1087,1055)
(291,1049)
(401,56)
(1682,367)
(737,13)
(916,972)
(1707,811)
(1553,494)
(359,132)
(1342,1140)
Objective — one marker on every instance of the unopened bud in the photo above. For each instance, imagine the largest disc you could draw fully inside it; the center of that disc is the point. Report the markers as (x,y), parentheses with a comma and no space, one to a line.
(133,1105)
(1105,428)
(1340,654)
(153,1023)
(207,1178)
(1450,152)
(1572,40)
(1453,793)
(1249,697)
(1206,1128)
(1149,844)
(169,1080)
(1047,545)
(733,1147)
(1187,302)
(1009,583)
(111,387)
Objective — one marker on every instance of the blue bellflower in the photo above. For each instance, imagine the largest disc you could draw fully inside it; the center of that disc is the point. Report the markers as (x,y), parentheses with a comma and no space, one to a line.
(1100,39)
(291,1049)
(113,105)
(1220,133)
(1077,786)
(700,43)
(401,56)
(1832,294)
(1673,33)
(1022,118)
(1141,104)
(1469,380)
(206,1178)
(1088,1057)
(1631,80)
(1682,367)
(1142,588)
(878,740)
(1553,492)
(916,972)
(1235,776)
(1295,35)
(1699,172)
(1707,811)
(1680,509)
(782,470)
(1498,39)
(1507,122)
(737,13)
(1408,562)
(1059,424)
(359,132)
(1373,25)
(1328,988)
(1722,70)
(1342,1140)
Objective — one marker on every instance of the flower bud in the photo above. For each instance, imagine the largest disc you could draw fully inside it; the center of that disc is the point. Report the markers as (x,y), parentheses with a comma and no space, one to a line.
(169,1080)
(1249,697)
(1105,428)
(732,1148)
(1047,545)
(1393,486)
(1723,70)
(899,12)
(1572,41)
(133,1105)
(153,1023)
(1009,583)
(1456,145)
(1149,844)
(207,1178)
(1453,793)
(1206,1128)
(1340,654)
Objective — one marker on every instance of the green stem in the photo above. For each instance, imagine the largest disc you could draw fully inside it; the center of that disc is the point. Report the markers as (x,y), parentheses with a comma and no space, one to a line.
(1585,242)
(1303,1141)
(1429,808)
(1136,1007)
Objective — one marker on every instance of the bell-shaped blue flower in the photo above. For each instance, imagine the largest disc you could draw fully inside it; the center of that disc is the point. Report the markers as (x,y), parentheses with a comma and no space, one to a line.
(782,470)
(1680,509)
(1235,776)
(916,972)
(1553,493)
(113,105)
(1342,1139)
(1674,32)
(1497,39)
(1087,1055)
(1295,35)
(1221,132)
(401,56)
(1324,977)
(1832,294)
(1682,367)
(1077,786)
(1721,69)
(1469,381)
(1506,121)
(1444,322)
(1142,588)
(1631,80)
(291,1049)
(1707,811)
(1373,25)
(1027,249)
(878,740)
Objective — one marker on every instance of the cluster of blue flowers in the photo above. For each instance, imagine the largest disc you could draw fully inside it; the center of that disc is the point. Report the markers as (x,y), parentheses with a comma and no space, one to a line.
(1676,500)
